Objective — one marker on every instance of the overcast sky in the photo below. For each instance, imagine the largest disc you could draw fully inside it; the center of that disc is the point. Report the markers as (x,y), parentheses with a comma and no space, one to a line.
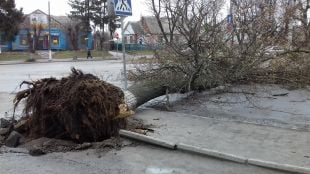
(61,7)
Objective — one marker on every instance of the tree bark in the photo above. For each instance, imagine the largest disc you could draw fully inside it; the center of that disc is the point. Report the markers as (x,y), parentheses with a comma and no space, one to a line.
(140,93)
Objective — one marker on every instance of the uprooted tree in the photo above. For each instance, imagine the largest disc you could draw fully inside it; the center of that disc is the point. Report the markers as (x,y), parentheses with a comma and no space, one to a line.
(79,107)
(206,54)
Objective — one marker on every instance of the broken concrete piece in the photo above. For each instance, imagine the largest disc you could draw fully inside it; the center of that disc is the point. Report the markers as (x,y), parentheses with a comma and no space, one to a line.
(14,139)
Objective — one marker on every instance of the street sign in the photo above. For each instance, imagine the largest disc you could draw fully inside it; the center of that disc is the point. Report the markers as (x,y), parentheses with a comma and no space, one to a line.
(122,7)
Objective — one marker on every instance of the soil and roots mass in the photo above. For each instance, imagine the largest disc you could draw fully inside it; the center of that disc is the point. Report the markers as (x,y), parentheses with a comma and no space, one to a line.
(80,107)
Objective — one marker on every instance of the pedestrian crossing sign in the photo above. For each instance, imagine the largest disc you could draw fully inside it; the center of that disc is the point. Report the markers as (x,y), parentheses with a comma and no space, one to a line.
(123,7)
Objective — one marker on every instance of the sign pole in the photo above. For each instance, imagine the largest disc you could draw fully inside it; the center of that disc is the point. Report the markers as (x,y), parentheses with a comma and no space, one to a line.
(49,33)
(123,8)
(124,55)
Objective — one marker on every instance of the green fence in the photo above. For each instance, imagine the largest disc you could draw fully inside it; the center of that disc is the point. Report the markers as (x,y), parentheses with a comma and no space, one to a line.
(133,47)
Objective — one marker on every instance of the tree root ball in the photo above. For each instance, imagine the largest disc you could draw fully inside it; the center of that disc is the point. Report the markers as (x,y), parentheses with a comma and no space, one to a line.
(80,107)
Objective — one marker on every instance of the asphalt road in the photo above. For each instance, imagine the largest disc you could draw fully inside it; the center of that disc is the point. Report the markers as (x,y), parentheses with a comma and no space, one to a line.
(141,159)
(12,75)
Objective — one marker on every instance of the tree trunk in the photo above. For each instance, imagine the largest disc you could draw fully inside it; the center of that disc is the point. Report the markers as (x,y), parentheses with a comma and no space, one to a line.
(141,93)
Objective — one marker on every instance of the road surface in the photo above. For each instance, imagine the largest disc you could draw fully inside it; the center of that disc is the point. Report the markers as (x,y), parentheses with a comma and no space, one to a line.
(140,159)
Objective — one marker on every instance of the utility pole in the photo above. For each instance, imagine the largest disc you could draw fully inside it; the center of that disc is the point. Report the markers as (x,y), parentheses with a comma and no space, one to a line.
(88,24)
(49,33)
(103,23)
(231,22)
(124,56)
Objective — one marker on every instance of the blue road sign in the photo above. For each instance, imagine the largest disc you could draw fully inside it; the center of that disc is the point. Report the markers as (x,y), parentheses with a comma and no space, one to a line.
(123,7)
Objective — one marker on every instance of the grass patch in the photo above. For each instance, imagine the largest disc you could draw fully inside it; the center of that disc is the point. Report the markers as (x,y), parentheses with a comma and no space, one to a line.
(7,56)
(142,60)
(80,54)
(141,52)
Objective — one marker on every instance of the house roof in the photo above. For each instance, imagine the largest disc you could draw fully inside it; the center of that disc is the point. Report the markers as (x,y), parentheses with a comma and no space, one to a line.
(62,19)
(134,28)
(147,25)
(137,27)
(153,26)
(59,20)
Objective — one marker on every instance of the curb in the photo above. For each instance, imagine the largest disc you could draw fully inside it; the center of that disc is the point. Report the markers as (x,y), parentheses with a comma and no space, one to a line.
(214,153)
(147,139)
(277,166)
(211,153)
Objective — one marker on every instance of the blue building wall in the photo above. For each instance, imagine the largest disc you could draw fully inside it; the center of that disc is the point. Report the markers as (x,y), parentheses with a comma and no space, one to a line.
(89,40)
(16,44)
(59,41)
(63,42)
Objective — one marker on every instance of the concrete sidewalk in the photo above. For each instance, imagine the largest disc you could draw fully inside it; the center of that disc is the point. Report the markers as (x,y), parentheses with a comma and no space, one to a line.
(271,144)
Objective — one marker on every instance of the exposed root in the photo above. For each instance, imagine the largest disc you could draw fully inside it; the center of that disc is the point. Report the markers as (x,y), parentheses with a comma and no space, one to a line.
(80,107)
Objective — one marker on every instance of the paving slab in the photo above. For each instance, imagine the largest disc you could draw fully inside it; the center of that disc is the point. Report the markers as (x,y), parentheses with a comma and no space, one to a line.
(284,146)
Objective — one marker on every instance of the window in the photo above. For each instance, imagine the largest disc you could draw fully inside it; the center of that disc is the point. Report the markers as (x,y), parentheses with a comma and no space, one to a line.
(55,40)
(23,39)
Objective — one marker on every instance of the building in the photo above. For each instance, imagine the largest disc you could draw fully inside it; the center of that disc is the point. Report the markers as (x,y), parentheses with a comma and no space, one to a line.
(146,32)
(134,33)
(34,33)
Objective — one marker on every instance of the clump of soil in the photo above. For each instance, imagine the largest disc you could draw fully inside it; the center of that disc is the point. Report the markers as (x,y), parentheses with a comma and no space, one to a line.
(80,107)
(50,145)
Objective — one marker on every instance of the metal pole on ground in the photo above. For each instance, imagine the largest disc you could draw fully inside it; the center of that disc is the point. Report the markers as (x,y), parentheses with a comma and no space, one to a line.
(124,56)
(49,33)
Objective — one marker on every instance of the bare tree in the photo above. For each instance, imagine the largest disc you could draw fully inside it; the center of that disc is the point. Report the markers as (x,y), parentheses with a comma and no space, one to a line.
(296,23)
(33,36)
(73,33)
(183,62)
(208,54)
